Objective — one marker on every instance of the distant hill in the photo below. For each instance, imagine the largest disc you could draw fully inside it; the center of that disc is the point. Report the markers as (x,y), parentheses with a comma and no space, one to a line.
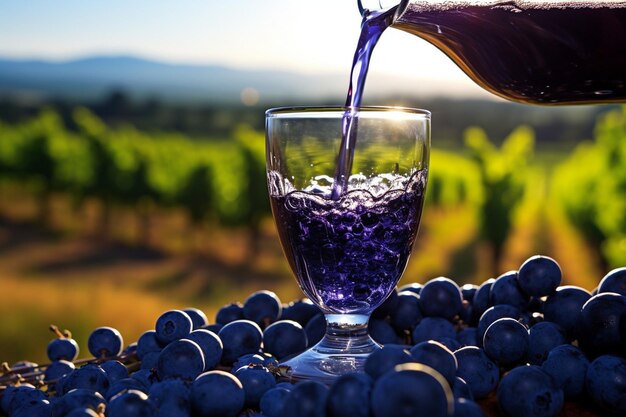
(91,77)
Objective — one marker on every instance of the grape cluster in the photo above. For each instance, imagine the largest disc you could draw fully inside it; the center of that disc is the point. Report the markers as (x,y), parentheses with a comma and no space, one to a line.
(521,338)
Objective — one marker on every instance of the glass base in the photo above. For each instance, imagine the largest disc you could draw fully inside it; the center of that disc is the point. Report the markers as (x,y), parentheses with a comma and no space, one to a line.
(343,350)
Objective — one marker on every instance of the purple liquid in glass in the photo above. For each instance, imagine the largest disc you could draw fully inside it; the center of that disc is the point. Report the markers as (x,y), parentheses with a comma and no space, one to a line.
(349,253)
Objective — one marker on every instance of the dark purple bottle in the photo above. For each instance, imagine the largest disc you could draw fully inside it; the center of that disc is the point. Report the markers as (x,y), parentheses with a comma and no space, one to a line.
(349,253)
(535,52)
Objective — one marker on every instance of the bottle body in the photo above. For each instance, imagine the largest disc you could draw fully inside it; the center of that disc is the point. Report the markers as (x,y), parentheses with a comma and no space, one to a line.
(529,51)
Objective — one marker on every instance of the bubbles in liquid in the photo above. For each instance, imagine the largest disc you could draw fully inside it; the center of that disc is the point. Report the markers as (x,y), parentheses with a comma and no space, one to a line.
(349,253)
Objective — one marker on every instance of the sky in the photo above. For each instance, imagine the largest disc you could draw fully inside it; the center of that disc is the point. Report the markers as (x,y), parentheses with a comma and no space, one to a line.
(309,36)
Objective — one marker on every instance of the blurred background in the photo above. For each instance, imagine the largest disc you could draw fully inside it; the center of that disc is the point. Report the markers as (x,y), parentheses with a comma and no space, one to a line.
(132,160)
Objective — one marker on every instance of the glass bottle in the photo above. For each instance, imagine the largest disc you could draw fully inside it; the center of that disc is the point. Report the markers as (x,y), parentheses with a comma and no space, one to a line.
(529,51)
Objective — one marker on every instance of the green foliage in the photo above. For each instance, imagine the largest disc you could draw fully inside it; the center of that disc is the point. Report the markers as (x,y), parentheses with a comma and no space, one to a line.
(219,179)
(453,180)
(252,147)
(591,187)
(503,174)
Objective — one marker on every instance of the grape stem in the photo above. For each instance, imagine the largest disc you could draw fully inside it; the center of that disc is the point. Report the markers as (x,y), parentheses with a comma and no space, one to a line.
(61,335)
(10,375)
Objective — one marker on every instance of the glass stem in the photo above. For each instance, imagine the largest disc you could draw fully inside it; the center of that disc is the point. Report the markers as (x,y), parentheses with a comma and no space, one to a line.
(346,333)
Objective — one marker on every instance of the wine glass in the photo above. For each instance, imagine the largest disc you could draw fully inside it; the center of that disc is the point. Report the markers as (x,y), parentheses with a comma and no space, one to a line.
(347,249)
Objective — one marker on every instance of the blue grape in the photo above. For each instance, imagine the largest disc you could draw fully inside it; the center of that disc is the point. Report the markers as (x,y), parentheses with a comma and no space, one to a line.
(433,328)
(262,307)
(606,383)
(170,398)
(125,384)
(182,359)
(614,281)
(450,343)
(530,319)
(58,369)
(600,325)
(228,313)
(148,343)
(461,389)
(130,350)
(105,342)
(215,327)
(412,390)
(492,314)
(284,338)
(145,376)
(217,393)
(543,337)
(567,365)
(414,287)
(307,399)
(383,360)
(211,346)
(24,367)
(481,301)
(469,291)
(467,313)
(468,337)
(564,308)
(172,325)
(349,396)
(527,391)
(21,396)
(539,276)
(506,342)
(300,311)
(131,403)
(315,330)
(248,359)
(256,381)
(239,338)
(41,408)
(467,408)
(273,402)
(407,313)
(441,297)
(269,360)
(90,376)
(197,316)
(77,399)
(82,412)
(115,370)
(382,332)
(436,356)
(286,385)
(506,290)
(63,349)
(150,360)
(475,368)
